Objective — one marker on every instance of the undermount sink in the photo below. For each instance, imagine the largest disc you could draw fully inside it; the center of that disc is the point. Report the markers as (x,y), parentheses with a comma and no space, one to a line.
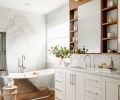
(87,68)
(97,70)
(78,67)
(116,72)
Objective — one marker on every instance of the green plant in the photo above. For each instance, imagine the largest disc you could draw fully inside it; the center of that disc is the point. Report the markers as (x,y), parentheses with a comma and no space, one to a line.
(60,52)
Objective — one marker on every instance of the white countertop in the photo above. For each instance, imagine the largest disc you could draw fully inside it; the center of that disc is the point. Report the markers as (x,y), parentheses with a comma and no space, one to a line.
(114,74)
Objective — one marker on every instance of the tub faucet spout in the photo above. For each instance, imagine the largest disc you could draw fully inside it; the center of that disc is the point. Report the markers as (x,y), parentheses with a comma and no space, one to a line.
(23,59)
(21,66)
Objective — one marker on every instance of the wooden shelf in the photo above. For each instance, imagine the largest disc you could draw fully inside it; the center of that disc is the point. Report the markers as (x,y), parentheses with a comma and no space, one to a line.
(111,38)
(73,31)
(105,26)
(110,8)
(2,70)
(73,42)
(74,20)
(110,23)
(74,9)
(106,53)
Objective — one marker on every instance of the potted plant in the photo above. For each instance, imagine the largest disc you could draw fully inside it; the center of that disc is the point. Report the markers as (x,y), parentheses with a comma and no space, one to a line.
(60,52)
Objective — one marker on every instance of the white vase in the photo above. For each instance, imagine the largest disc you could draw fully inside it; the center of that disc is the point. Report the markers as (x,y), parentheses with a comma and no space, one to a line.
(67,62)
(61,62)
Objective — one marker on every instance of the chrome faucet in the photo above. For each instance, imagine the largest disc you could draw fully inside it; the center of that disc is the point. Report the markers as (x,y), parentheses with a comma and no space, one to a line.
(23,59)
(21,67)
(86,63)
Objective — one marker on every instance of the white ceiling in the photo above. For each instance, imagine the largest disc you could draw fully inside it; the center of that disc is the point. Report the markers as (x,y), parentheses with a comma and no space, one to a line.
(37,6)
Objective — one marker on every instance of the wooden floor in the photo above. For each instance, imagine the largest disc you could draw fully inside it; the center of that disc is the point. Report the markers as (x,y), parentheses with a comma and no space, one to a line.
(29,96)
(27,91)
(32,95)
(36,94)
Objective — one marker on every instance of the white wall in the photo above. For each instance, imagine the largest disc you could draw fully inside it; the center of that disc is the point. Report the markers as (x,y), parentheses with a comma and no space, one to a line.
(26,35)
(58,16)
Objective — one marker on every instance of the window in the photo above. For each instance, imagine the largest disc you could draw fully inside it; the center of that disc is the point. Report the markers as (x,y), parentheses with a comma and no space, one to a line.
(57,35)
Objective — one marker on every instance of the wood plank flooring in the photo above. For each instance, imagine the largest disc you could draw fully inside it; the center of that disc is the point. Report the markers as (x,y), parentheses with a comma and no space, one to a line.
(29,96)
(27,91)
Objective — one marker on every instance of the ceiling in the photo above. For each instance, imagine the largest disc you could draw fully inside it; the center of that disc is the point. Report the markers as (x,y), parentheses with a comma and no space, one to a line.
(37,6)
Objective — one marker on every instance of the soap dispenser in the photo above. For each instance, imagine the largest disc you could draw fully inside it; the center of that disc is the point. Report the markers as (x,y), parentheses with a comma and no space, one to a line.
(111,64)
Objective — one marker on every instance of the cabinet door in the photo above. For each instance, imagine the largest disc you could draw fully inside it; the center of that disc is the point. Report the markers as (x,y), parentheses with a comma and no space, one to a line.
(74,85)
(70,88)
(110,89)
(79,86)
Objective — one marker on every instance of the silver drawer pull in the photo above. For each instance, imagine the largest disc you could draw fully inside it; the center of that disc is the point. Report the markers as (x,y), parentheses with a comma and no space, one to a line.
(91,97)
(59,90)
(91,80)
(91,92)
(58,81)
(74,80)
(58,98)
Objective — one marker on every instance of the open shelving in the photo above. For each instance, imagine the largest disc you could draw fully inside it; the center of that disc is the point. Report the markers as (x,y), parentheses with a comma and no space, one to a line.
(73,19)
(73,27)
(109,26)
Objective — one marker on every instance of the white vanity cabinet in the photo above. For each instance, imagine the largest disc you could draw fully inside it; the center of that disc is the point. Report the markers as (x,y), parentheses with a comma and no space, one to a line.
(74,85)
(77,85)
(92,87)
(60,79)
(110,89)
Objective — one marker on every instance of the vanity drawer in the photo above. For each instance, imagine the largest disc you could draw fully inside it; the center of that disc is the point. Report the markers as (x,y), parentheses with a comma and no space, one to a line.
(92,93)
(59,86)
(56,98)
(93,80)
(60,79)
(90,98)
(60,76)
(59,95)
(60,71)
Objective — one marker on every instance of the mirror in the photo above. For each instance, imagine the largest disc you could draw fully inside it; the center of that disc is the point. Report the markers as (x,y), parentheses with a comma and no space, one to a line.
(3,51)
(89,26)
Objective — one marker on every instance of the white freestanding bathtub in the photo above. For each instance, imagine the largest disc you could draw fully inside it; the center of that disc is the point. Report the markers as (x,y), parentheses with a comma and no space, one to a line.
(31,74)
